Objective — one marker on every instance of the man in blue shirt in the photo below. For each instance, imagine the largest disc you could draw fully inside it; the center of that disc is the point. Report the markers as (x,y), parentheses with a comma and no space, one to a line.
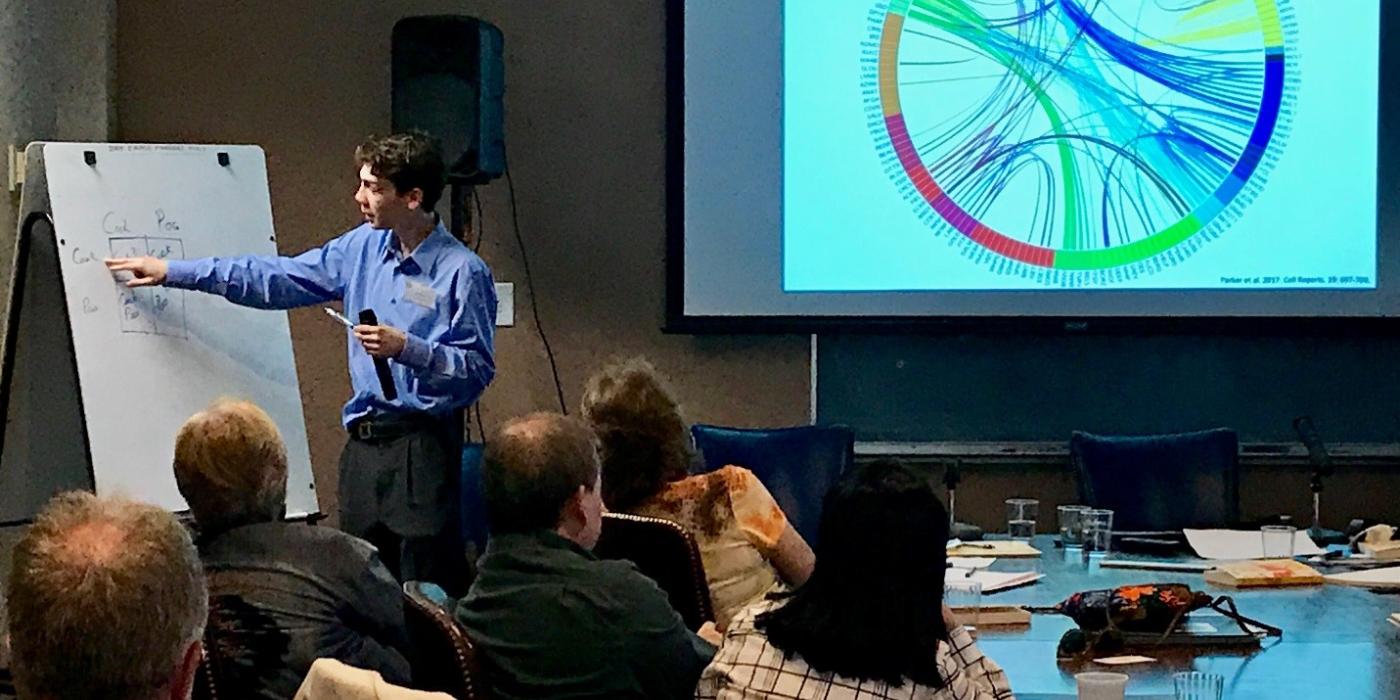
(435,304)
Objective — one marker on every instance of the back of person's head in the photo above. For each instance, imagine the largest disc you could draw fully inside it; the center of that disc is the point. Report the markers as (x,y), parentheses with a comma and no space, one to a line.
(532,467)
(106,599)
(231,466)
(872,607)
(641,432)
(408,160)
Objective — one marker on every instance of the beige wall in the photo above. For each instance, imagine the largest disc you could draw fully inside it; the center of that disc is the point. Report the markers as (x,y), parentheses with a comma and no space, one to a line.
(585,131)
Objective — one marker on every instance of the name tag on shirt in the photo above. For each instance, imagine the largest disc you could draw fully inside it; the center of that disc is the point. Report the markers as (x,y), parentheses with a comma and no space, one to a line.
(420,294)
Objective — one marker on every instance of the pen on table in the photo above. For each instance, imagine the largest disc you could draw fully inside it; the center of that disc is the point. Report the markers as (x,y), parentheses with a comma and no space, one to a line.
(338,317)
(966,573)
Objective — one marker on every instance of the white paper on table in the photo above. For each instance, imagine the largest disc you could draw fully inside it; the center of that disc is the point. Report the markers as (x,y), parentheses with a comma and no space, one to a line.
(970,562)
(1242,544)
(1387,577)
(993,580)
(1124,660)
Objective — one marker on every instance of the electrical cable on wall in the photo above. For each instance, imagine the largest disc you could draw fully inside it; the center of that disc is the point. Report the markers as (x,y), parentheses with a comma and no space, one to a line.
(479,222)
(530,286)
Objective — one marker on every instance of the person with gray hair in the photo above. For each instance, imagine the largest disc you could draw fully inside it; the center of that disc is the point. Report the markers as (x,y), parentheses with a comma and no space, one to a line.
(106,600)
(283,594)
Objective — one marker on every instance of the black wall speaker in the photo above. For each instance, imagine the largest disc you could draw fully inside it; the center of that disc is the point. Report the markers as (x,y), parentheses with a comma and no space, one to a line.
(449,80)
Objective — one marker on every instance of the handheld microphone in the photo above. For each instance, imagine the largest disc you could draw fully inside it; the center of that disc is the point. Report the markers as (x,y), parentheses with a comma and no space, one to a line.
(1317,453)
(381,365)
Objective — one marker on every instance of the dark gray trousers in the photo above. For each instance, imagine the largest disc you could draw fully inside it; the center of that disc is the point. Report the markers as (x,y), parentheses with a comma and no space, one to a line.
(403,495)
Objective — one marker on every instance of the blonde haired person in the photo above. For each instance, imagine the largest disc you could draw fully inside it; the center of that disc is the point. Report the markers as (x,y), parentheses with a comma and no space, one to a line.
(282,594)
(746,542)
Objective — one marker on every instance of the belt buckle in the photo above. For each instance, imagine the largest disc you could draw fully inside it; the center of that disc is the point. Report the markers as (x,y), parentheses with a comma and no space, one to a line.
(364,430)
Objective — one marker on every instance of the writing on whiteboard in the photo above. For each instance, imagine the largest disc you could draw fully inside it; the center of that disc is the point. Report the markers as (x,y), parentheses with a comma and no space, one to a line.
(150,310)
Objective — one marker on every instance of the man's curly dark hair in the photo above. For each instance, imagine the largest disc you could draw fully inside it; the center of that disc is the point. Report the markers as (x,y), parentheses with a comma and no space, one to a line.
(408,160)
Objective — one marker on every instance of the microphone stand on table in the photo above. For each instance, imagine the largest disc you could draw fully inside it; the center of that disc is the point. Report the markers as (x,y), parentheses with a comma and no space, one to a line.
(1321,467)
(952,474)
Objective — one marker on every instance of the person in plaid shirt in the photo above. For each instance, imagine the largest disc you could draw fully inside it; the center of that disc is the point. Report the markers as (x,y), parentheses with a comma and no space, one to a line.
(870,623)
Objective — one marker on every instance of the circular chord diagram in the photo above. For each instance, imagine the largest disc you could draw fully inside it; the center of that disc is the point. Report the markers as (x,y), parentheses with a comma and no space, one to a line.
(1079,141)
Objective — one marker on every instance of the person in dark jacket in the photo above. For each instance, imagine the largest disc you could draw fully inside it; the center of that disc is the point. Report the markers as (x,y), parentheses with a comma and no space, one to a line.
(282,594)
(550,619)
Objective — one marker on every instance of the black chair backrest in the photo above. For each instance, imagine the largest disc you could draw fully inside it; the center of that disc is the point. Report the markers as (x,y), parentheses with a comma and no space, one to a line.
(205,686)
(1160,482)
(667,553)
(797,465)
(445,659)
(473,499)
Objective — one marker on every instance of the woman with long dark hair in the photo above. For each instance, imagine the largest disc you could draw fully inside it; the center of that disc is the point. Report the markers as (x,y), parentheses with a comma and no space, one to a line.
(870,622)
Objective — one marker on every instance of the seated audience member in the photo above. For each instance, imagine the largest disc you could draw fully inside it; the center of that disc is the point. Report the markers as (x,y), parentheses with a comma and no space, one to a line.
(870,622)
(106,600)
(745,541)
(550,619)
(281,594)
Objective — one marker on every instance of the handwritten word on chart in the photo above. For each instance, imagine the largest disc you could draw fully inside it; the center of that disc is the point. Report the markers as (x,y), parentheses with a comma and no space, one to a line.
(150,310)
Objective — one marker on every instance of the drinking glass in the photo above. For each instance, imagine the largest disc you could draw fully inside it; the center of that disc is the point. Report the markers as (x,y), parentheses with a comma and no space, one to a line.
(1072,525)
(1020,517)
(964,596)
(1277,540)
(1097,685)
(1098,530)
(1194,685)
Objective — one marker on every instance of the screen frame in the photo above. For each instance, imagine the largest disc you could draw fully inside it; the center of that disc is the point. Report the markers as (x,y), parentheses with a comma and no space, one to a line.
(677,321)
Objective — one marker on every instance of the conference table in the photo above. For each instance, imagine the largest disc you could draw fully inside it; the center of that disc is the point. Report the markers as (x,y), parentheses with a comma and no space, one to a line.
(1337,643)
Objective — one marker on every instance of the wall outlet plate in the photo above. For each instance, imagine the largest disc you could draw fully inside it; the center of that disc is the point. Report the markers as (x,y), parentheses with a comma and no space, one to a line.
(15,161)
(505,304)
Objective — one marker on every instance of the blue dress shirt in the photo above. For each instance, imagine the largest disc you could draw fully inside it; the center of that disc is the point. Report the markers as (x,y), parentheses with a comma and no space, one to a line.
(441,296)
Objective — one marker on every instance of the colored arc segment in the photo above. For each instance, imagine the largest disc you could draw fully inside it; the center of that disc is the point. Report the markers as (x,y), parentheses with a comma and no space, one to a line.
(956,16)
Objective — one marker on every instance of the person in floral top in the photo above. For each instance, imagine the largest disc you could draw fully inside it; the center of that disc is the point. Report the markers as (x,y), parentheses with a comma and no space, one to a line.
(746,543)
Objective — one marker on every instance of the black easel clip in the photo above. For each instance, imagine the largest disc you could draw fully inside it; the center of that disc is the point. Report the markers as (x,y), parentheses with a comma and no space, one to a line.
(90,157)
(223,159)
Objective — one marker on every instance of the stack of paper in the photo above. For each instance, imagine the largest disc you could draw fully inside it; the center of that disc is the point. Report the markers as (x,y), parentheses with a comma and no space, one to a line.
(992,548)
(1388,577)
(994,580)
(1266,574)
(1381,550)
(1242,544)
(970,562)
(991,615)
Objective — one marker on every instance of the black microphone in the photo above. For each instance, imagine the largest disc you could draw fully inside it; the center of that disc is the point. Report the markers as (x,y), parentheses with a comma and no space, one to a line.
(1317,454)
(952,475)
(381,365)
(1321,466)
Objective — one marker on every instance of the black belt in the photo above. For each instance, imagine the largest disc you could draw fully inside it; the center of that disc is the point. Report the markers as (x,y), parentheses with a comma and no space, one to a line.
(392,427)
